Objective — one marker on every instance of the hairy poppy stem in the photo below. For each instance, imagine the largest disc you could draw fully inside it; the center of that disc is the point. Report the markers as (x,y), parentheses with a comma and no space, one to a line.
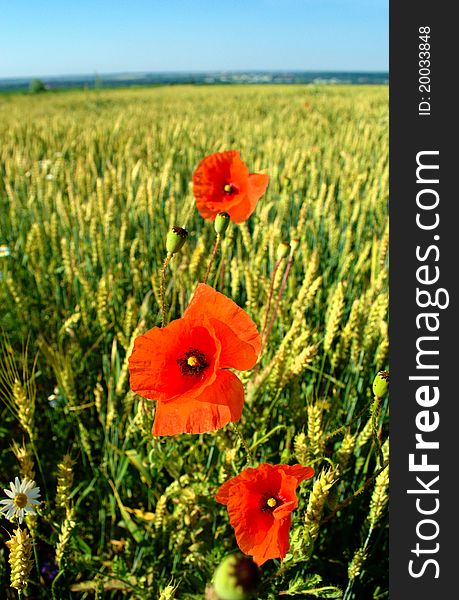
(162,278)
(279,298)
(219,273)
(375,416)
(214,252)
(270,295)
(222,275)
(243,443)
(354,495)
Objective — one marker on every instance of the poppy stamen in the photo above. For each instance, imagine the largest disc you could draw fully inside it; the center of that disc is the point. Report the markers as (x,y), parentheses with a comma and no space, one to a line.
(270,502)
(230,189)
(192,362)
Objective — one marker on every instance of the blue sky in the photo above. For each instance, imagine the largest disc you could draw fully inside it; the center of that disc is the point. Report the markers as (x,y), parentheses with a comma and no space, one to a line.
(50,37)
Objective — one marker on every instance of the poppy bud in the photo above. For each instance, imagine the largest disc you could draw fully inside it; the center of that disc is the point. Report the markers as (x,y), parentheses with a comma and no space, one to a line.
(283,250)
(175,239)
(381,384)
(236,578)
(222,220)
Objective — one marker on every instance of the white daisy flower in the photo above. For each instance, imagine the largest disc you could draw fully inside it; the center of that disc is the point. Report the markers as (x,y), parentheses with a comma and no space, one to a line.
(22,497)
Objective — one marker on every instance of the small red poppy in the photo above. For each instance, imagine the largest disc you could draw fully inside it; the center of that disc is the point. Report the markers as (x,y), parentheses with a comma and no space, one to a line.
(222,182)
(260,502)
(184,366)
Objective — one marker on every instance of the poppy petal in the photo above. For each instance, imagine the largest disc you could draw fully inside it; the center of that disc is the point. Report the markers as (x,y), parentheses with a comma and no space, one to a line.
(257,533)
(154,365)
(298,471)
(275,544)
(235,354)
(217,405)
(211,178)
(218,306)
(219,166)
(244,500)
(287,488)
(249,475)
(258,183)
(210,209)
(239,171)
(222,495)
(251,525)
(242,211)
(284,510)
(260,531)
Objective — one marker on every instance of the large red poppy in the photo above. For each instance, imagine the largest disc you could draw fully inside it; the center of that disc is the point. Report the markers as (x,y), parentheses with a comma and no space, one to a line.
(222,183)
(184,366)
(259,503)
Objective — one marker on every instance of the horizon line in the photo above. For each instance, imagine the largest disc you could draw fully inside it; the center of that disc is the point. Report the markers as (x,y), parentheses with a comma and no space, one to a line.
(193,71)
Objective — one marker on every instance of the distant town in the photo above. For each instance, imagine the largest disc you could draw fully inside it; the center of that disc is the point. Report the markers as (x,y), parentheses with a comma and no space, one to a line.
(204,78)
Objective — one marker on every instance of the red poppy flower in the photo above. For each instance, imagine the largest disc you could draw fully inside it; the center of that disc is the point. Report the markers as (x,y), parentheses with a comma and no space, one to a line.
(184,366)
(259,503)
(222,182)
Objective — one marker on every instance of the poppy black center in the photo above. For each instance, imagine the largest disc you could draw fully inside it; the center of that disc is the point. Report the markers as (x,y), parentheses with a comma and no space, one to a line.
(192,362)
(269,502)
(230,189)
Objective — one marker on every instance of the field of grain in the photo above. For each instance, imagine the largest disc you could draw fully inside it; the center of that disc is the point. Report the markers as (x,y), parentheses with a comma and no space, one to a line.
(91,181)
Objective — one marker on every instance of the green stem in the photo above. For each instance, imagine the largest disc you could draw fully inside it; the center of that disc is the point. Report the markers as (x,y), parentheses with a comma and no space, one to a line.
(345,427)
(214,252)
(347,593)
(35,453)
(162,279)
(270,295)
(279,298)
(350,585)
(35,555)
(321,371)
(219,271)
(243,443)
(53,585)
(354,495)
(326,375)
(375,415)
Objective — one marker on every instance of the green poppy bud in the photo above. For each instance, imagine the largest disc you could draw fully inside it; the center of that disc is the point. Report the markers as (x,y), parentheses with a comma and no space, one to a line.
(175,239)
(236,578)
(222,220)
(381,384)
(283,250)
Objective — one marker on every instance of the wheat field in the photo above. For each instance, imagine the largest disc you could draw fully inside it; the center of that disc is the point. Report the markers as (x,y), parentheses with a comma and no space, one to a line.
(91,181)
